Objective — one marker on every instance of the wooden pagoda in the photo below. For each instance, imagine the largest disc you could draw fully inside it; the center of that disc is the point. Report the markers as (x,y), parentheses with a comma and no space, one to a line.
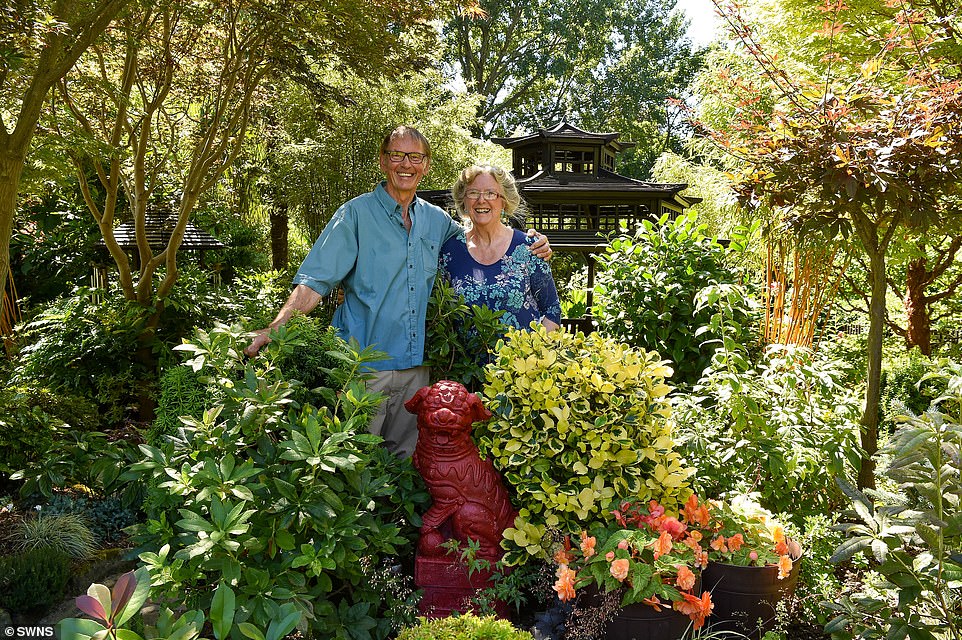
(567,179)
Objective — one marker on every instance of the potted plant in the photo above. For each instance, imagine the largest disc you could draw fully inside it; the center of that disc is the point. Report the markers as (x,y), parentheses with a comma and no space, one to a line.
(752,563)
(649,561)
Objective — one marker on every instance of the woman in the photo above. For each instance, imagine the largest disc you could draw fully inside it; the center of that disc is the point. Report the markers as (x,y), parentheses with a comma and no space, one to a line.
(491,264)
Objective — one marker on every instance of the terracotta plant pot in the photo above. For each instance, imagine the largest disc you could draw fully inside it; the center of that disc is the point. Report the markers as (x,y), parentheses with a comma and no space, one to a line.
(746,597)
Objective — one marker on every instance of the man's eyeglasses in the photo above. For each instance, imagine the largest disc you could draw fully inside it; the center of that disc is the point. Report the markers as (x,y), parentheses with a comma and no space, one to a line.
(398,156)
(476,194)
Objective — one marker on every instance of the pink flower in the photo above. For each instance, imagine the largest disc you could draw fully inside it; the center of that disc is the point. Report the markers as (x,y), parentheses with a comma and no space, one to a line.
(674,528)
(619,569)
(623,545)
(610,556)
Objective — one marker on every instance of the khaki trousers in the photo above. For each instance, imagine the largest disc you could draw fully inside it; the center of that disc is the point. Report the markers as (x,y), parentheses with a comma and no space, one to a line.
(392,421)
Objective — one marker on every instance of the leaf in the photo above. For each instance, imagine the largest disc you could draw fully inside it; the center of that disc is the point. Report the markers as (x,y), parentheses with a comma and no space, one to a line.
(280,628)
(78,628)
(222,611)
(123,590)
(849,548)
(92,607)
(250,631)
(137,598)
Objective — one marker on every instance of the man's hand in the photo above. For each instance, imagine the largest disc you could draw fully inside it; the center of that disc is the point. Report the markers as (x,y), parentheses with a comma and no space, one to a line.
(262,338)
(540,246)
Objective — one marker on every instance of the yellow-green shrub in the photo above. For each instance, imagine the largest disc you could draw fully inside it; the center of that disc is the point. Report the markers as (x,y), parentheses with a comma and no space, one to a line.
(464,627)
(580,423)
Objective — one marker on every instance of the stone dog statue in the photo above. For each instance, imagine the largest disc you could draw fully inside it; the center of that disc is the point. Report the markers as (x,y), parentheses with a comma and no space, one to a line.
(469,499)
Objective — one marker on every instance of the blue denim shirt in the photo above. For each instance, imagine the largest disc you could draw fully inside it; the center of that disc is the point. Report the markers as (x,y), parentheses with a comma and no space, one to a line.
(387,273)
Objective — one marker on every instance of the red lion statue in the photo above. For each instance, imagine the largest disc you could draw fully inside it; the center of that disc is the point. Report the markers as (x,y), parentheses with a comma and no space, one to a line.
(469,500)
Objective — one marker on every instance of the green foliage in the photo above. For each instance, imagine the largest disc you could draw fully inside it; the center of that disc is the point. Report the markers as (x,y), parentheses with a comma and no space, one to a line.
(902,393)
(459,338)
(25,433)
(107,517)
(311,358)
(33,580)
(646,288)
(464,627)
(90,461)
(67,533)
(52,245)
(579,423)
(108,611)
(817,580)
(294,505)
(913,540)
(782,427)
(181,394)
(84,347)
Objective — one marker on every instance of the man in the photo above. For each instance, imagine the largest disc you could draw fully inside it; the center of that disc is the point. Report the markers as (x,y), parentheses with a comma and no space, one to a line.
(382,248)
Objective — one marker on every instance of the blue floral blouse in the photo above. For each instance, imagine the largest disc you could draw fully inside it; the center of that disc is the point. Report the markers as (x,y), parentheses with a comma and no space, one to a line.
(519,283)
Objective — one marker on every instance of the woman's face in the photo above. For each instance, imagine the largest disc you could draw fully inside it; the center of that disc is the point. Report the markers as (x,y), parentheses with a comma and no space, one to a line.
(480,205)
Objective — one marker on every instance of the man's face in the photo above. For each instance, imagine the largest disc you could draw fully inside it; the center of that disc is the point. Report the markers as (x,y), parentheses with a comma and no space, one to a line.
(404,177)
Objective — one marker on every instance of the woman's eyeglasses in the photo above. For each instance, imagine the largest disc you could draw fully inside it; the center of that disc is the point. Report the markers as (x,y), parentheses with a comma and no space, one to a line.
(476,194)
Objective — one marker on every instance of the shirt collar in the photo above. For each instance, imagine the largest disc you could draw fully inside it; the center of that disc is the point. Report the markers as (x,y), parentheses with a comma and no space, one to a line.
(392,206)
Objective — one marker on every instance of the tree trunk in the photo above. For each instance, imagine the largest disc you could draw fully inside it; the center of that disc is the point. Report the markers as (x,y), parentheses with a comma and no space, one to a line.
(279,235)
(918,330)
(873,383)
(11,168)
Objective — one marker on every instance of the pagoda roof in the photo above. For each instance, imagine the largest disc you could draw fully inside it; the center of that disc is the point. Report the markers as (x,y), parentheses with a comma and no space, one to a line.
(565,132)
(158,228)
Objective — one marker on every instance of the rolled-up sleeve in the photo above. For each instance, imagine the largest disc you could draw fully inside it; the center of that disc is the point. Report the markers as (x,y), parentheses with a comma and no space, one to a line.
(333,255)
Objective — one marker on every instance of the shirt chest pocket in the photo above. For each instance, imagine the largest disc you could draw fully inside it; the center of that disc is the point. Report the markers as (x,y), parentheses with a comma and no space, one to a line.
(429,256)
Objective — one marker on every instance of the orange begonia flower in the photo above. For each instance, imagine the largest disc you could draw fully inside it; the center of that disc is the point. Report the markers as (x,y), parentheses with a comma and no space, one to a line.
(563,555)
(565,586)
(702,558)
(695,608)
(610,556)
(695,535)
(692,544)
(662,545)
(695,512)
(718,544)
(654,602)
(778,534)
(781,548)
(784,567)
(587,545)
(685,579)
(736,541)
(619,569)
